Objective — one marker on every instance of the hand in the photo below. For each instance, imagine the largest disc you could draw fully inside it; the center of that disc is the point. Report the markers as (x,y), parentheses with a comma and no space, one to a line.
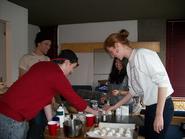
(158,123)
(115,92)
(106,107)
(102,99)
(95,112)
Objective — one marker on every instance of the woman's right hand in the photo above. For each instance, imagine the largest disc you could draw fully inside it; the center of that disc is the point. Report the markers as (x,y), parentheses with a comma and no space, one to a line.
(103,99)
(115,92)
(106,107)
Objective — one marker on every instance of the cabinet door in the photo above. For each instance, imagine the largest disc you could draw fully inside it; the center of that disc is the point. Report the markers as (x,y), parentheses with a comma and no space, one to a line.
(102,66)
(175,56)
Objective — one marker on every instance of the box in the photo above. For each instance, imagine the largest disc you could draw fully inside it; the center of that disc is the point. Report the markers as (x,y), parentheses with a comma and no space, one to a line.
(112,131)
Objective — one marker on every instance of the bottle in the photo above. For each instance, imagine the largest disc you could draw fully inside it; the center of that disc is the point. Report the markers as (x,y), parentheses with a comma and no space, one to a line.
(98,119)
(104,116)
(61,114)
(118,111)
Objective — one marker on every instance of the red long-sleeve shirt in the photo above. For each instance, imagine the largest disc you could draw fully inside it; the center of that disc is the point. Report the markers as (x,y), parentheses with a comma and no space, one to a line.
(35,89)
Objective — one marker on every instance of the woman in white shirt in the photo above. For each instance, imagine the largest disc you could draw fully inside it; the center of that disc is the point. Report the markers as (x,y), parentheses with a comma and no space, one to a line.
(147,78)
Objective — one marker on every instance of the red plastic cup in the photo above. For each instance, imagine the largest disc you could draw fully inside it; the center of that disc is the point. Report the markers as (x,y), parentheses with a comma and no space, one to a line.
(90,120)
(52,127)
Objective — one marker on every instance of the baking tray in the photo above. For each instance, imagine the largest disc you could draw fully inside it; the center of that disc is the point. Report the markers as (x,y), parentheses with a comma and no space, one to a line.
(113,126)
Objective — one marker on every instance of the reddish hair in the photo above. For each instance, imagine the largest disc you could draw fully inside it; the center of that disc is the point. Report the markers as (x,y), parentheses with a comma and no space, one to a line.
(113,38)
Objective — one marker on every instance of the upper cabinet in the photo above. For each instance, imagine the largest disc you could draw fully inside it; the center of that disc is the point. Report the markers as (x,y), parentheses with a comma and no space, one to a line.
(95,63)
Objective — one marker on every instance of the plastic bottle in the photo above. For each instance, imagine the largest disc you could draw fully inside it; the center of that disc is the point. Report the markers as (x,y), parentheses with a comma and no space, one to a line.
(104,116)
(118,111)
(61,114)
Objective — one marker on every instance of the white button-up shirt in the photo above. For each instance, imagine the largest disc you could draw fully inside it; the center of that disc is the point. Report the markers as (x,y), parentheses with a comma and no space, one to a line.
(146,74)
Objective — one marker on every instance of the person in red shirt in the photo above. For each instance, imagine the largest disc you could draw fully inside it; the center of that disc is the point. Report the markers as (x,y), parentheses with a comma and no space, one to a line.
(34,90)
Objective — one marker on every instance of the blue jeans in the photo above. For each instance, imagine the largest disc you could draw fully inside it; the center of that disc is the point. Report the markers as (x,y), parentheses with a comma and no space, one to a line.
(37,126)
(11,129)
(150,117)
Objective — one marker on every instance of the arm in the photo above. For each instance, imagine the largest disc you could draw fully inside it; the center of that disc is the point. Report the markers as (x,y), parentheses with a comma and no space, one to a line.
(158,122)
(119,92)
(48,112)
(65,89)
(23,65)
(119,103)
(158,74)
(21,72)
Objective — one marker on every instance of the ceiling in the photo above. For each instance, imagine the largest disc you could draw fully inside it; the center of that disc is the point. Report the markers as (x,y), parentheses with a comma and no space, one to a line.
(58,12)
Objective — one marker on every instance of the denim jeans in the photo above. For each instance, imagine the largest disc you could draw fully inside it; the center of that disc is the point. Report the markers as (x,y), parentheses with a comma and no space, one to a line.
(11,129)
(150,116)
(37,126)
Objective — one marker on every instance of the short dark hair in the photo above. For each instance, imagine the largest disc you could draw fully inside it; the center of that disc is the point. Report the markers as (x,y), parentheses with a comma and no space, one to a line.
(66,54)
(41,36)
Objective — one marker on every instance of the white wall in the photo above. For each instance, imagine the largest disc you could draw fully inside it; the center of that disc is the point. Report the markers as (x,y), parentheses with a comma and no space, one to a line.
(2,50)
(32,31)
(93,32)
(16,19)
(83,74)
